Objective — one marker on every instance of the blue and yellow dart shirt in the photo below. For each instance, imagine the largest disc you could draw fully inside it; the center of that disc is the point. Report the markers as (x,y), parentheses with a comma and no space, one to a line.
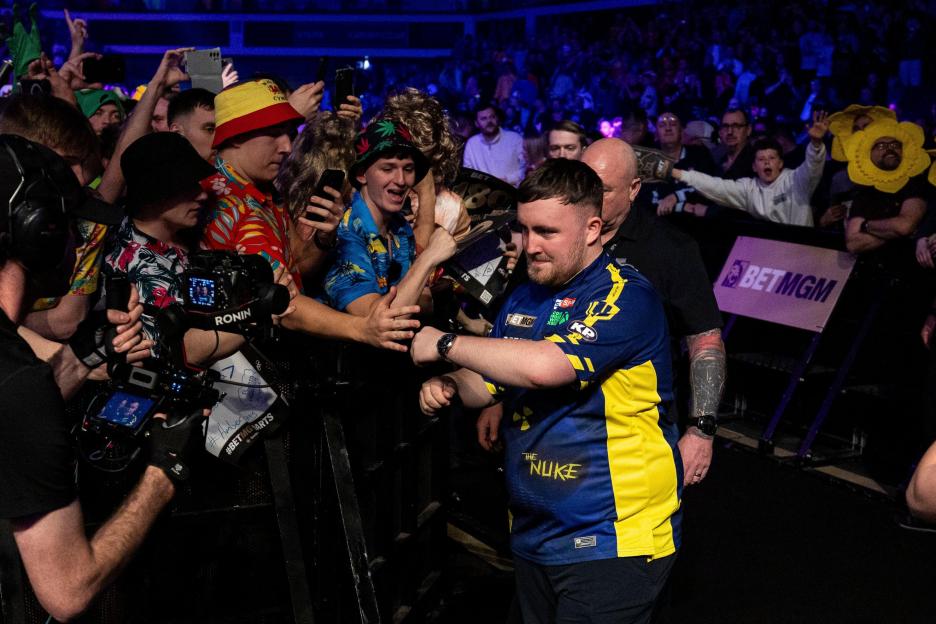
(593,471)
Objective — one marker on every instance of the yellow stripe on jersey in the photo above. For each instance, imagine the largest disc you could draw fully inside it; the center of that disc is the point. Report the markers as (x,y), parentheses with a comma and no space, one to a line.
(608,308)
(555,338)
(643,470)
(576,362)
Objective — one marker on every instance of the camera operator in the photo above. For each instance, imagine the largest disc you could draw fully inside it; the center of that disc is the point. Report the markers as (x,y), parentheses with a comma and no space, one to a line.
(165,204)
(37,490)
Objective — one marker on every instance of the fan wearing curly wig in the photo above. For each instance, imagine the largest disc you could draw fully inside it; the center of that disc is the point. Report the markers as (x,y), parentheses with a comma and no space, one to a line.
(429,125)
(326,142)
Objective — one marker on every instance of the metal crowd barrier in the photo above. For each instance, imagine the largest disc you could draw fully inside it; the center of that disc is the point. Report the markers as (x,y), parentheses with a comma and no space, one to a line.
(337,518)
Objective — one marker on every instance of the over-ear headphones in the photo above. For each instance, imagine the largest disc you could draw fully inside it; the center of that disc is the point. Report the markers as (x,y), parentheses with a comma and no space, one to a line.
(34,226)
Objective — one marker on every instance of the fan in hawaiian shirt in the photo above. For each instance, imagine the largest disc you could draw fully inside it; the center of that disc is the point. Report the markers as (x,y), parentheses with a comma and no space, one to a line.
(376,248)
(165,202)
(255,124)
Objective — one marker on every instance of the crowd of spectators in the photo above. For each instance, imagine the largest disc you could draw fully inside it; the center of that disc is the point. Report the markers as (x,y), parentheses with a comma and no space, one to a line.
(722,111)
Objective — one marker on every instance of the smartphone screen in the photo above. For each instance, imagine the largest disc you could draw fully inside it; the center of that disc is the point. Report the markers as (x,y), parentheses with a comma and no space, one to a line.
(332,178)
(344,85)
(322,68)
(106,70)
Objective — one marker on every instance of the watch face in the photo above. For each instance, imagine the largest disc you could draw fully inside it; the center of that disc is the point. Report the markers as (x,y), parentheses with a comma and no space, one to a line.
(707,425)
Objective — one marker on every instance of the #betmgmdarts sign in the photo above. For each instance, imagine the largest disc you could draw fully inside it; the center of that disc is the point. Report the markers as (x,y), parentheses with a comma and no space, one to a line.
(785,283)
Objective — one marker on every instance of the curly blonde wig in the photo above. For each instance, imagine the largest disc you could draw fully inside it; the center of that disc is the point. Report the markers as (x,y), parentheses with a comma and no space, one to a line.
(327,142)
(428,122)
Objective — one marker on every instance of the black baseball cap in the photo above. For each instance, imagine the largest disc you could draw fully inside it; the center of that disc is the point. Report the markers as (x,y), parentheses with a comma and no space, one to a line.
(160,166)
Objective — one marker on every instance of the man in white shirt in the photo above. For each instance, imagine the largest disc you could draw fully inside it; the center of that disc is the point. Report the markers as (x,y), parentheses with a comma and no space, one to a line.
(775,194)
(495,151)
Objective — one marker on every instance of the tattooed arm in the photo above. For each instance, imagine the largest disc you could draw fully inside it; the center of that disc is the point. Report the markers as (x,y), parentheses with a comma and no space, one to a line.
(707,380)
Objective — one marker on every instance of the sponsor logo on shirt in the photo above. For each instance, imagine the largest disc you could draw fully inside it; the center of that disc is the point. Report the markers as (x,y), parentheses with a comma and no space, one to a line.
(780,198)
(564,304)
(558,317)
(520,320)
(550,469)
(743,274)
(589,541)
(583,330)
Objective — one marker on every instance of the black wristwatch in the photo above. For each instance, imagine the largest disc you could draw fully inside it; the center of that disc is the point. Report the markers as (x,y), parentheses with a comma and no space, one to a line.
(707,425)
(444,345)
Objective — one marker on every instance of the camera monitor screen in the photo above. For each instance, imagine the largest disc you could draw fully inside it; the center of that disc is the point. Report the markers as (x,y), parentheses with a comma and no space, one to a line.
(125,409)
(201,292)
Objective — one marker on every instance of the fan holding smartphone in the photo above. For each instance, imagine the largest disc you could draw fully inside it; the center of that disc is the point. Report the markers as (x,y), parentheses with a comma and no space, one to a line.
(320,223)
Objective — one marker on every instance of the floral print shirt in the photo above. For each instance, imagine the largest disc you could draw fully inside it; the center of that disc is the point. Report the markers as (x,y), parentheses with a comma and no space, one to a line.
(153,266)
(243,216)
(84,279)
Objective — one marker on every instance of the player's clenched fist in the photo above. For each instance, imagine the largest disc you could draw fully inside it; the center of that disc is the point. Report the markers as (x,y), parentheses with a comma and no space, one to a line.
(437,393)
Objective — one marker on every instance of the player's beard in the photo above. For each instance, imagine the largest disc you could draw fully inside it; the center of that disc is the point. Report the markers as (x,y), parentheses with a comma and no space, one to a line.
(560,269)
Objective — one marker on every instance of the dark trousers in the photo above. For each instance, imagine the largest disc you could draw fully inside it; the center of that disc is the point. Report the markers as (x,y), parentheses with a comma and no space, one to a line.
(618,591)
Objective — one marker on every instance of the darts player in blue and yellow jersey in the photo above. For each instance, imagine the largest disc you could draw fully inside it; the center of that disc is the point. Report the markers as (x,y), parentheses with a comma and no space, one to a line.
(579,358)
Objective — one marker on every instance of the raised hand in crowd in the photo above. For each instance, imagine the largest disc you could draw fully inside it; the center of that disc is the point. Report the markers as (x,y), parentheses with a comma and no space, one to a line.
(168,74)
(424,210)
(324,232)
(819,127)
(351,109)
(78,29)
(43,69)
(72,71)
(441,246)
(307,98)
(229,76)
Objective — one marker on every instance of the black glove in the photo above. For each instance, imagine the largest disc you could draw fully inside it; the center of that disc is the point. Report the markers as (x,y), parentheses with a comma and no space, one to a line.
(89,342)
(170,444)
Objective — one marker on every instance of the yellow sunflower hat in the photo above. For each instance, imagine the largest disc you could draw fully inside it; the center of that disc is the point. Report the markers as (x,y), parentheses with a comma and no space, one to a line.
(858,151)
(840,125)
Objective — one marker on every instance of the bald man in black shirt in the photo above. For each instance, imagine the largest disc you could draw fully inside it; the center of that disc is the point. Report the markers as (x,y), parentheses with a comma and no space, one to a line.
(671,261)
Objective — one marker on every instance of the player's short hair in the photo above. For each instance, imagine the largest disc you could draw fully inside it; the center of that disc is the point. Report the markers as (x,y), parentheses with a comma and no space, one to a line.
(570,181)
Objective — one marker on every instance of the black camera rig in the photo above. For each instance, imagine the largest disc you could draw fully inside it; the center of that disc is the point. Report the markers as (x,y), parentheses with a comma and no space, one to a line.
(221,291)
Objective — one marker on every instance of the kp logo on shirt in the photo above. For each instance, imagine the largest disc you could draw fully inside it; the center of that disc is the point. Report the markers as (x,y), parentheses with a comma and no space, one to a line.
(734,274)
(583,330)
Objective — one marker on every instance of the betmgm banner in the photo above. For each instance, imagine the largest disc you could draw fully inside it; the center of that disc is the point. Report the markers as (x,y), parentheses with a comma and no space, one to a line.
(784,283)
